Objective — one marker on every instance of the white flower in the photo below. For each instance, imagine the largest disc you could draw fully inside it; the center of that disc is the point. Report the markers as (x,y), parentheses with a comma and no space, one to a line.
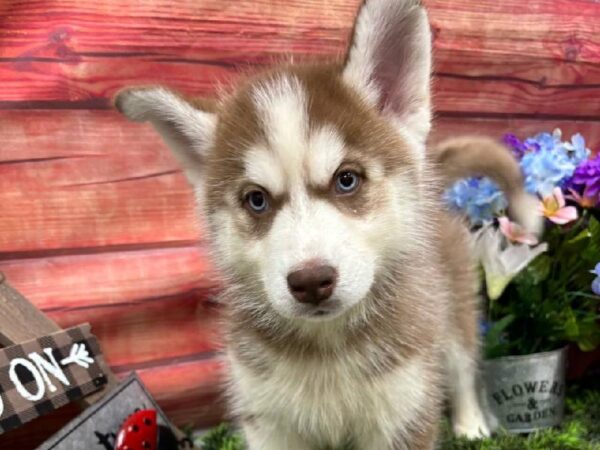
(501,260)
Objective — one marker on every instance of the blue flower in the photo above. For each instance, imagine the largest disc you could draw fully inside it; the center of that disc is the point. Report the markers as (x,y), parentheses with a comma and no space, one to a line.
(550,162)
(545,169)
(596,282)
(596,286)
(544,141)
(479,198)
(577,149)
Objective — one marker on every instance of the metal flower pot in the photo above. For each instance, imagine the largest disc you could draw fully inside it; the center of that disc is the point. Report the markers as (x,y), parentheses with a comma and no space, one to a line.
(525,393)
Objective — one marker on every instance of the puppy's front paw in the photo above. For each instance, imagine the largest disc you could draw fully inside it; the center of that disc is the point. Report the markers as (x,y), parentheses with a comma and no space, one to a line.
(474,428)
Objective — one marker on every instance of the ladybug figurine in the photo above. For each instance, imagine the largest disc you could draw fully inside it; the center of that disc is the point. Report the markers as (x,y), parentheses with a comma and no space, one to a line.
(141,432)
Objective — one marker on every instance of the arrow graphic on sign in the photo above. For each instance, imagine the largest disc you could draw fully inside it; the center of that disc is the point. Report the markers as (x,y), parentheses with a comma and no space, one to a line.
(79,355)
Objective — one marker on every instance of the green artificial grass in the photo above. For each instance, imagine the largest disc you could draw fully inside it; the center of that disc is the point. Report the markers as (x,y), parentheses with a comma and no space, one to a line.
(580,431)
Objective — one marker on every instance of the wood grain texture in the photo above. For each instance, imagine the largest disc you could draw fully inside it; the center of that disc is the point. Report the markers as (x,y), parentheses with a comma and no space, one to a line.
(77,282)
(87,179)
(447,126)
(134,300)
(20,320)
(190,391)
(134,337)
(538,57)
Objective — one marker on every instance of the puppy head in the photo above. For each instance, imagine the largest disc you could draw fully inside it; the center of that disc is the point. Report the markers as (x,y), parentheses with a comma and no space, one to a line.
(309,176)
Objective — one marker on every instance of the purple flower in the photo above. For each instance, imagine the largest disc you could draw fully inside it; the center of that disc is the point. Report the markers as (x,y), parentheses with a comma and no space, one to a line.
(596,282)
(518,148)
(587,175)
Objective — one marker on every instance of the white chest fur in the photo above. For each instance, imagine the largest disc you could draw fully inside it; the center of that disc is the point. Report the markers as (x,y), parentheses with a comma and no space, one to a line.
(329,401)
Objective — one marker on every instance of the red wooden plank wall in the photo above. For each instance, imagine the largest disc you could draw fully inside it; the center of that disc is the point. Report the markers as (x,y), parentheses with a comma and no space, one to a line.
(97,222)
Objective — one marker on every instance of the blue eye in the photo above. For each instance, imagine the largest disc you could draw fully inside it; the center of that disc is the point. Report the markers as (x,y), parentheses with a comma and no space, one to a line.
(347,181)
(257,201)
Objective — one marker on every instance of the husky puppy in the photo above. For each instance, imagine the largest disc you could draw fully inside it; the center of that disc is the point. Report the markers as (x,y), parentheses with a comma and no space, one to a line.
(351,294)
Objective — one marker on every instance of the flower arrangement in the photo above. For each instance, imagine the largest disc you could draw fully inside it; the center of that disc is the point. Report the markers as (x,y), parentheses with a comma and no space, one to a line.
(543,293)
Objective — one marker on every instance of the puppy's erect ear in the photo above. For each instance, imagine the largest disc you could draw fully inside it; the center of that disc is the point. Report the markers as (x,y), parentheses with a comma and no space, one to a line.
(186,129)
(389,62)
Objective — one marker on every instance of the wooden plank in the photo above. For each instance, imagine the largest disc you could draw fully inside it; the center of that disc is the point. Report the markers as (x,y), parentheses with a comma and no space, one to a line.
(480,92)
(492,95)
(156,331)
(132,299)
(20,320)
(510,57)
(539,57)
(447,126)
(192,44)
(94,281)
(517,39)
(189,392)
(83,179)
(243,26)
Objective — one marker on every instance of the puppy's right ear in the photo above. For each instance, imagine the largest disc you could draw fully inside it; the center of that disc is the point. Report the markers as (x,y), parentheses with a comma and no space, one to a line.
(389,62)
(187,130)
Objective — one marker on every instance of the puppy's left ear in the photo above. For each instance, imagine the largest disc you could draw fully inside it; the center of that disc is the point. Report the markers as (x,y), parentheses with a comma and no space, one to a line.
(389,62)
(187,129)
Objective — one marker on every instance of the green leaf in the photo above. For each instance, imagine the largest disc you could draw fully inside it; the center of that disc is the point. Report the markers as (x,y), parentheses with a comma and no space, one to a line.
(539,269)
(588,344)
(494,344)
(584,235)
(571,327)
(591,253)
(594,227)
(589,335)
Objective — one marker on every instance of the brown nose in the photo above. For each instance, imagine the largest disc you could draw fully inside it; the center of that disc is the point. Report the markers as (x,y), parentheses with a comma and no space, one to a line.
(312,284)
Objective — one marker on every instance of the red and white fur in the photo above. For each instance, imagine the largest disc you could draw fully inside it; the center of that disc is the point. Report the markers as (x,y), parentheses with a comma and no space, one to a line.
(365,357)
